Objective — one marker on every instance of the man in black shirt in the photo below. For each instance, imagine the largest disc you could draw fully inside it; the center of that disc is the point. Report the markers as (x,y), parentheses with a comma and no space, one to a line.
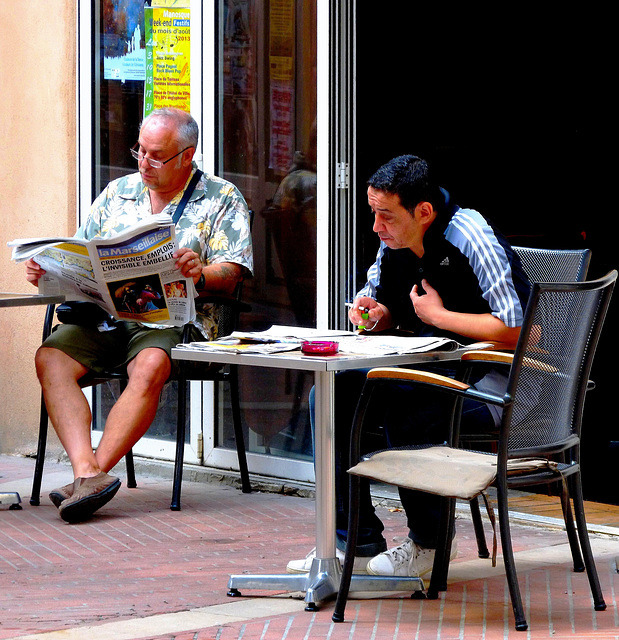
(442,271)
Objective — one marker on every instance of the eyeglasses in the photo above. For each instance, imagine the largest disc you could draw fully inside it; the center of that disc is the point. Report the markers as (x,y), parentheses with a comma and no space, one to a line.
(155,164)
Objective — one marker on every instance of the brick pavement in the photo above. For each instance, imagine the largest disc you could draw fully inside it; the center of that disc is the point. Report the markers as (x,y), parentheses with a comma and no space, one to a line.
(139,570)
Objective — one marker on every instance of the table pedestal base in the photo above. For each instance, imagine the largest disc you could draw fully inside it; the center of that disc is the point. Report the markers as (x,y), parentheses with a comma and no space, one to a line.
(321,582)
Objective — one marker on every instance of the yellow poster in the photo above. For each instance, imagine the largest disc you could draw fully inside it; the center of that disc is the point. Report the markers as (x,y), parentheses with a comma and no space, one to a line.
(167,58)
(281,40)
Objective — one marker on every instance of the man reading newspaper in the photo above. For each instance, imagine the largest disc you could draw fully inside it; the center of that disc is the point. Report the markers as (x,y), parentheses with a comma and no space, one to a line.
(215,251)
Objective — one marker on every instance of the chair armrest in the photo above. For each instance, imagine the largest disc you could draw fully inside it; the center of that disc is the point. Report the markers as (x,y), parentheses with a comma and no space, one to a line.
(494,357)
(502,357)
(413,375)
(442,383)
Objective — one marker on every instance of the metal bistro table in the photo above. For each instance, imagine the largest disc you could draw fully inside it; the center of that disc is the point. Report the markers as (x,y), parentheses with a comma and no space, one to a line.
(22,299)
(19,300)
(322,581)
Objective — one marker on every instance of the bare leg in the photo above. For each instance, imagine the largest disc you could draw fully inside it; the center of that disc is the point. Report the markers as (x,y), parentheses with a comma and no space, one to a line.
(134,411)
(67,407)
(70,413)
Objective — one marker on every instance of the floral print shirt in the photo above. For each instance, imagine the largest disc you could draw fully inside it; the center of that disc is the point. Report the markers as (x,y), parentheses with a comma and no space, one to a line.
(215,224)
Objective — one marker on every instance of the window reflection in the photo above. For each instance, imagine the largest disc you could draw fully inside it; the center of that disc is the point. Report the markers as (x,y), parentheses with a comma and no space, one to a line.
(118,90)
(267,71)
(268,67)
(289,219)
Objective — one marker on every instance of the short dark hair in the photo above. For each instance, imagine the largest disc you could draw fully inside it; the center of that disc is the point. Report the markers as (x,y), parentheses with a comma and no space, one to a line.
(408,177)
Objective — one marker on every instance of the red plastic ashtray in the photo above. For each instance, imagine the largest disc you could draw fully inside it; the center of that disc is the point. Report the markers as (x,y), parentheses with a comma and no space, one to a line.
(319,348)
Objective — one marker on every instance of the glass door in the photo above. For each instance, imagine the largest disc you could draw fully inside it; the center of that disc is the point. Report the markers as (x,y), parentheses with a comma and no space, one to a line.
(120,43)
(266,144)
(264,75)
(284,123)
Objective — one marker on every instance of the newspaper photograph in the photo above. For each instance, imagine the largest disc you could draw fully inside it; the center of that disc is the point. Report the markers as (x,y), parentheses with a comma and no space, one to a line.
(131,275)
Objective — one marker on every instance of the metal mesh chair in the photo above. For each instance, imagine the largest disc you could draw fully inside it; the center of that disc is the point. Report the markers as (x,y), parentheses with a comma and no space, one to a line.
(540,265)
(541,417)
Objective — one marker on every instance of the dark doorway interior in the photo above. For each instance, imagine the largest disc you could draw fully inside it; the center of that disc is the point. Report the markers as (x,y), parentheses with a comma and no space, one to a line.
(515,113)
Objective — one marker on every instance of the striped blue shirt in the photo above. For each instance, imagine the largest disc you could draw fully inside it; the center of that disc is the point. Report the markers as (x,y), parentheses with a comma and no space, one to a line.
(469,263)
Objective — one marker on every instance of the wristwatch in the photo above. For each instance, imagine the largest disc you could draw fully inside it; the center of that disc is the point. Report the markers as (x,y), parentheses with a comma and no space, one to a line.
(201,284)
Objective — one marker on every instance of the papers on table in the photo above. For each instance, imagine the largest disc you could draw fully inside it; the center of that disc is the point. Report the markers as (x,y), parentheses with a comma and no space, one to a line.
(274,340)
(282,333)
(236,346)
(283,338)
(384,344)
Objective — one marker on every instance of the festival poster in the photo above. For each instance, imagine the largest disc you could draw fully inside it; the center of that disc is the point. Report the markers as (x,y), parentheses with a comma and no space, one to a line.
(167,81)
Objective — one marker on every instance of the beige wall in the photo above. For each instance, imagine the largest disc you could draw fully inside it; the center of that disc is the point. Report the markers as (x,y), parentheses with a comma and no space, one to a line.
(38,183)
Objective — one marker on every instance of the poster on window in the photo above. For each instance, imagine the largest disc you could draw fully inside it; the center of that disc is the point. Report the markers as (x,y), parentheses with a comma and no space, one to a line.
(281,76)
(167,82)
(123,40)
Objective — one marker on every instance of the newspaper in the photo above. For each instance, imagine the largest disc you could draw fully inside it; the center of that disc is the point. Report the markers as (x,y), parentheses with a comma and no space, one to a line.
(384,344)
(131,275)
(273,340)
(238,346)
(349,342)
(284,338)
(285,333)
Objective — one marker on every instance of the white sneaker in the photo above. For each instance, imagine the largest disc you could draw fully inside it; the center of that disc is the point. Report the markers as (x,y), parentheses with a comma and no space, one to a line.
(303,566)
(408,560)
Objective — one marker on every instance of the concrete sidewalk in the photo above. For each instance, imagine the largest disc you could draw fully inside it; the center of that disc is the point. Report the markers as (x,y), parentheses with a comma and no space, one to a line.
(139,570)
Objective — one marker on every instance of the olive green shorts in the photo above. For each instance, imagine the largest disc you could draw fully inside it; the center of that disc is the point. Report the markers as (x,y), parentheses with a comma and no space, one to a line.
(105,351)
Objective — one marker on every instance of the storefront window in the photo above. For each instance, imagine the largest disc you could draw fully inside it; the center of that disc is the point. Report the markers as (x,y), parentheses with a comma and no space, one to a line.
(267,65)
(265,143)
(118,88)
(118,80)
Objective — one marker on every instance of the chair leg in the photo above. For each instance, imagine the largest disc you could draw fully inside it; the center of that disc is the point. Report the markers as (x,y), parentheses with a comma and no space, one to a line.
(478,527)
(35,496)
(581,524)
(440,569)
(130,467)
(570,529)
(131,481)
(180,439)
(239,438)
(351,546)
(508,558)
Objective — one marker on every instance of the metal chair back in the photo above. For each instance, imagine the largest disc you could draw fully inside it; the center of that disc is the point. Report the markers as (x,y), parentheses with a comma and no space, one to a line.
(554,265)
(549,377)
